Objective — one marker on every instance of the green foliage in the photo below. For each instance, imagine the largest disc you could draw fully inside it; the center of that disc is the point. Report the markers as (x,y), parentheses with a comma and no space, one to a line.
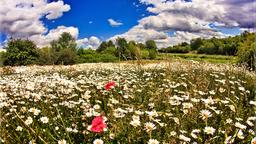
(247,51)
(122,49)
(20,52)
(213,46)
(103,46)
(150,44)
(144,54)
(177,49)
(46,56)
(64,50)
(91,56)
(196,43)
(2,55)
(152,54)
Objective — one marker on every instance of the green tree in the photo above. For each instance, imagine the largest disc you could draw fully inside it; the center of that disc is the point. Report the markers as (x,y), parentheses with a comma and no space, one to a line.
(46,56)
(20,52)
(152,49)
(247,51)
(196,43)
(151,44)
(122,48)
(103,46)
(64,49)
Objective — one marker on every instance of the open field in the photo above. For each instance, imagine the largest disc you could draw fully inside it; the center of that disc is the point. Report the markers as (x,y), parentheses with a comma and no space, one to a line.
(199,57)
(165,102)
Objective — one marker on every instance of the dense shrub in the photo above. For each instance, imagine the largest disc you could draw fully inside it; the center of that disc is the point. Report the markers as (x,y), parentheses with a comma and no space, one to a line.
(20,52)
(247,52)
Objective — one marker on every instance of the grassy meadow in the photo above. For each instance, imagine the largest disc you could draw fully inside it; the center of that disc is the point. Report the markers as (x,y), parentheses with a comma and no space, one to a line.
(199,57)
(168,102)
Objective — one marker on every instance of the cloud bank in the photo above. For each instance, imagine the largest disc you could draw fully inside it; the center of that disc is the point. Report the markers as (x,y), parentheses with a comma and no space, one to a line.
(23,19)
(190,20)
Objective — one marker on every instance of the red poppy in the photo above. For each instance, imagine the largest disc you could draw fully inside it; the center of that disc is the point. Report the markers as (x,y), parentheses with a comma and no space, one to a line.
(110,85)
(98,124)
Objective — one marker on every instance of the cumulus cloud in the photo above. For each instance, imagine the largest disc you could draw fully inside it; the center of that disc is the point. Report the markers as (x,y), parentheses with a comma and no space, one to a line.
(190,20)
(22,19)
(114,23)
(45,39)
(92,42)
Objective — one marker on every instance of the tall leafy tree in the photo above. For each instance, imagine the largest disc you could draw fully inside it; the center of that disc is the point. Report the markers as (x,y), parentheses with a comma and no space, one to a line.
(247,50)
(103,46)
(122,48)
(20,52)
(64,49)
(151,44)
(152,48)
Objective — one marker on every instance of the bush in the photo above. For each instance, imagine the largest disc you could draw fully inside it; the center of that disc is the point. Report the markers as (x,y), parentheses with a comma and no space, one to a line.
(108,58)
(247,53)
(20,52)
(152,54)
(144,54)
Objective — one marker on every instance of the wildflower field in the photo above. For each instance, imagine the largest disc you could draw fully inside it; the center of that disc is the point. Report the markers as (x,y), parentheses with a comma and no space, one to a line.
(171,102)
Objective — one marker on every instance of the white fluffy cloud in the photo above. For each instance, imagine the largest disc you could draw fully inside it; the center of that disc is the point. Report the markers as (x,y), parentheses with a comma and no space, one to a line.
(190,20)
(92,42)
(114,23)
(45,39)
(21,18)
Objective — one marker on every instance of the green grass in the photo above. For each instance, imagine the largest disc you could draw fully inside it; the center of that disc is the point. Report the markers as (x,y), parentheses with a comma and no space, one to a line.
(199,57)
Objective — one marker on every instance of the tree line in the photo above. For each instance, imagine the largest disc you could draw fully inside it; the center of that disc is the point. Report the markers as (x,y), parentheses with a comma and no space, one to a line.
(64,51)
(243,46)
(217,46)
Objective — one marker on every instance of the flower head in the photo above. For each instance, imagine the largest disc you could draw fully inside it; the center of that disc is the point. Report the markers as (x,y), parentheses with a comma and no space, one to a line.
(209,130)
(62,141)
(110,85)
(98,141)
(98,124)
(153,141)
(44,119)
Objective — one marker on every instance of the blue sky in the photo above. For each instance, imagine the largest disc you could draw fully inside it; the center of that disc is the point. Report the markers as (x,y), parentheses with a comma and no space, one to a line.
(168,22)
(83,12)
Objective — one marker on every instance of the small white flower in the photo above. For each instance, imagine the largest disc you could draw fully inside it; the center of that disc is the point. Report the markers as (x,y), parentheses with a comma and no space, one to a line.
(205,114)
(195,133)
(62,141)
(229,121)
(209,130)
(44,119)
(19,128)
(253,140)
(173,133)
(29,121)
(153,141)
(149,126)
(96,106)
(135,123)
(241,126)
(98,141)
(240,134)
(69,129)
(34,111)
(184,138)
